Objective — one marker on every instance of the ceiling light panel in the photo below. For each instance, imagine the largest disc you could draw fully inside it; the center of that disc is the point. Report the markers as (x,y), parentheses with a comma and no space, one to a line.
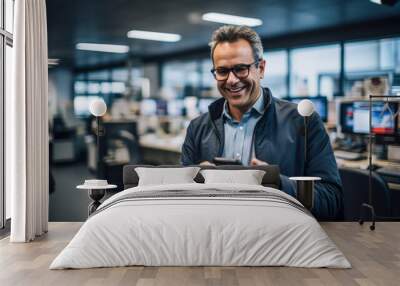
(154,36)
(231,19)
(106,48)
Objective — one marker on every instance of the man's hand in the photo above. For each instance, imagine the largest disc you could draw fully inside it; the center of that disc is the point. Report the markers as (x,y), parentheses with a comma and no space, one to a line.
(206,163)
(256,162)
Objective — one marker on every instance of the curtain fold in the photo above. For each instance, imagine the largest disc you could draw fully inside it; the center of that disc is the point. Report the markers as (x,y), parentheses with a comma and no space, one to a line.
(28,159)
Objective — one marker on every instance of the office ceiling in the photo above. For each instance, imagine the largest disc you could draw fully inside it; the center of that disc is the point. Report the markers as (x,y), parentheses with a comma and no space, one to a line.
(105,21)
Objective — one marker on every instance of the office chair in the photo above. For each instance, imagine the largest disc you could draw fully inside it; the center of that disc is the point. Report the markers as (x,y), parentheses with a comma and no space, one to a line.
(355,192)
(132,143)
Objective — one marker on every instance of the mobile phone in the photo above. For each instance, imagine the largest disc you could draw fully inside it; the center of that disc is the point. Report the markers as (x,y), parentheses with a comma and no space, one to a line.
(226,161)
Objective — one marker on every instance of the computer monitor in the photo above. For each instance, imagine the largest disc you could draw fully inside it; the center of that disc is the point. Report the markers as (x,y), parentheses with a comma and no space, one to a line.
(148,107)
(320,103)
(162,107)
(82,104)
(354,118)
(395,90)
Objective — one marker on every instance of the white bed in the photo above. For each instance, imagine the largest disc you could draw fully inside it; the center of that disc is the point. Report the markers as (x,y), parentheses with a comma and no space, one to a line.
(225,225)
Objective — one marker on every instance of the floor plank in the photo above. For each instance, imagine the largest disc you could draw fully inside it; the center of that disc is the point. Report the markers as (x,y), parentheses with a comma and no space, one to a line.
(374,255)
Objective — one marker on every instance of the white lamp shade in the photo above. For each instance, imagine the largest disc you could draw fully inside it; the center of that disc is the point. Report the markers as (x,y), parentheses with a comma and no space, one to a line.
(305,107)
(98,107)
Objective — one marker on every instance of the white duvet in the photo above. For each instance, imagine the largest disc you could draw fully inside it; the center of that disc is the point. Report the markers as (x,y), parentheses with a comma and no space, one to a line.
(183,231)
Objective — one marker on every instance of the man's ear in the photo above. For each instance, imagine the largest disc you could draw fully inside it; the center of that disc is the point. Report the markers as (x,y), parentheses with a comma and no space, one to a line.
(261,67)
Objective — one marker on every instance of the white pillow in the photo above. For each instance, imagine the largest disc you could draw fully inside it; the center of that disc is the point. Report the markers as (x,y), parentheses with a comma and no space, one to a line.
(166,176)
(248,177)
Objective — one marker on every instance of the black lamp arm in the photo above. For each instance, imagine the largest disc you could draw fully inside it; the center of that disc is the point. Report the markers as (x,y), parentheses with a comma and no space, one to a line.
(99,132)
(306,119)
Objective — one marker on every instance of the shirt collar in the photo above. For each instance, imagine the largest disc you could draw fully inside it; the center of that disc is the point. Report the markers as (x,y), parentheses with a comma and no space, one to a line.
(258,107)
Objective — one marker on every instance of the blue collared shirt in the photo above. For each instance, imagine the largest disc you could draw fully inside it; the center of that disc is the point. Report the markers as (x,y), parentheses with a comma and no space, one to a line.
(239,135)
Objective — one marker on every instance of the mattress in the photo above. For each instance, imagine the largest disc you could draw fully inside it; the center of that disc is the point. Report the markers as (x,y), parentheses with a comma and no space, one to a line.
(201,225)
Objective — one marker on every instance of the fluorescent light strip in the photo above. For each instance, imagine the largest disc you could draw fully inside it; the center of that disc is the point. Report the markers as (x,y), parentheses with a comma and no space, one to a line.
(231,19)
(154,36)
(53,62)
(376,1)
(119,49)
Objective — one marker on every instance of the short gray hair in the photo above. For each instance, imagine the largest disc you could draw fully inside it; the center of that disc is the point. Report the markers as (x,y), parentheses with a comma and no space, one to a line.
(230,34)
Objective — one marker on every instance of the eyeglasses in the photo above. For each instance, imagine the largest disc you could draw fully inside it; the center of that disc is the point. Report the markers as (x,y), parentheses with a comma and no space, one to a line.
(241,71)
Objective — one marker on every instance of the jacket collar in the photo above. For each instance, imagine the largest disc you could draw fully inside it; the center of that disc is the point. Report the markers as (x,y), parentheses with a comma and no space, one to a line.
(217,107)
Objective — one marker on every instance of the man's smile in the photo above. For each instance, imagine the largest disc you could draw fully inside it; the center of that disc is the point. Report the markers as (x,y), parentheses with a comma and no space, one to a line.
(235,89)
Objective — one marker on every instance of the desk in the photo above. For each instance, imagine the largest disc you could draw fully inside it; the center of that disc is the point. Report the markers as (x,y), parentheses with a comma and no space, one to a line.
(164,143)
(363,164)
(165,150)
(374,255)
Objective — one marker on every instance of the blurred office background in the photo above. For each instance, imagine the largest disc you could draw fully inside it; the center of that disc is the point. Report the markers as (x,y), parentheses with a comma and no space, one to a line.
(334,52)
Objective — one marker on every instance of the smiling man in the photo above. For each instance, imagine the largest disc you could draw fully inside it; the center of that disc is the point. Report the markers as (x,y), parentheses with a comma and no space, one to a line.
(249,125)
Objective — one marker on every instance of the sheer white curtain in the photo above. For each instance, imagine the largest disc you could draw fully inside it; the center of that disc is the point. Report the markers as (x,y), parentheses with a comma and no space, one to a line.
(27,135)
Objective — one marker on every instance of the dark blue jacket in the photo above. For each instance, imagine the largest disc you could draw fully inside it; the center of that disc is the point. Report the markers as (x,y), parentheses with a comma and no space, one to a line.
(279,140)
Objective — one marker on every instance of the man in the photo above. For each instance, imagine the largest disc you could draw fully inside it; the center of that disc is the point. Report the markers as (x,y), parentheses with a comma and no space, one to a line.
(251,125)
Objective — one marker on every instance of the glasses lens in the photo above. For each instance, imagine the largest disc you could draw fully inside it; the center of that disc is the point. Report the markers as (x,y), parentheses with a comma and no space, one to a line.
(241,71)
(221,73)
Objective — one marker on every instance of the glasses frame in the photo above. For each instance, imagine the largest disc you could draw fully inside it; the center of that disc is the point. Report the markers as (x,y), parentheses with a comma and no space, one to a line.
(232,69)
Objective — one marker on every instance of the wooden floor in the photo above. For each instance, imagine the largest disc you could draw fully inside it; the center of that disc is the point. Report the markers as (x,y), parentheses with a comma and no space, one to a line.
(375,257)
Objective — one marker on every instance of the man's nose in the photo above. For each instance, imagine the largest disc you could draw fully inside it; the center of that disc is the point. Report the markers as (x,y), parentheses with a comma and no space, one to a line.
(232,79)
